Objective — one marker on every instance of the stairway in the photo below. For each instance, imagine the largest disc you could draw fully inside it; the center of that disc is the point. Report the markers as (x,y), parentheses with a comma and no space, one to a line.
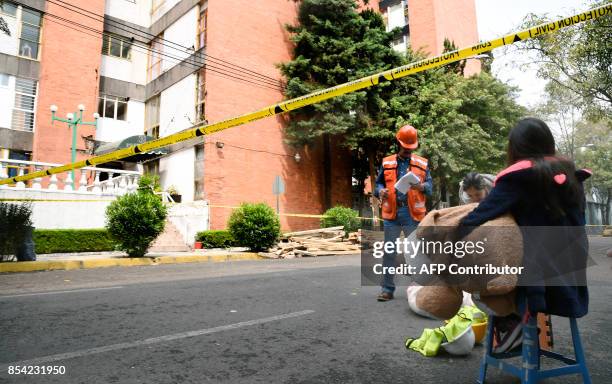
(170,240)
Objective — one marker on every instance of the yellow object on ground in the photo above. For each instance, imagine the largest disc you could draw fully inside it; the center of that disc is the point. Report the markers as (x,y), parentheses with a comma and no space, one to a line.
(480,330)
(457,337)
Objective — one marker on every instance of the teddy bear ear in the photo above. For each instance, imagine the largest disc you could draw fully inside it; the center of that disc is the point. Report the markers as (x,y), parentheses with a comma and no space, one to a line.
(436,215)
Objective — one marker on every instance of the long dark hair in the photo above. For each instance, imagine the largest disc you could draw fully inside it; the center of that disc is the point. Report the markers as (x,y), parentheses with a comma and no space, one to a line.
(531,139)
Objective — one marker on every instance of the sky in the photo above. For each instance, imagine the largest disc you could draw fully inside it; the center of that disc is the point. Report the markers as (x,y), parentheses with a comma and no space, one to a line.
(497,18)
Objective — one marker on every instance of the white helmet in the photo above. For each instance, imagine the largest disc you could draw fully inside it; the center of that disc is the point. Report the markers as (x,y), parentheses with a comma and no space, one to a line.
(462,344)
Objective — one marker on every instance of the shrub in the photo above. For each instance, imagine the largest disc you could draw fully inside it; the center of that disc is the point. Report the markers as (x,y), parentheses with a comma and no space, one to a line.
(72,240)
(216,239)
(255,226)
(134,221)
(344,216)
(15,221)
(149,183)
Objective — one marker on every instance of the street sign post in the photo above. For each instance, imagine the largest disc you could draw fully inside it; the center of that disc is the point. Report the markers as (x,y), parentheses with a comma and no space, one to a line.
(278,188)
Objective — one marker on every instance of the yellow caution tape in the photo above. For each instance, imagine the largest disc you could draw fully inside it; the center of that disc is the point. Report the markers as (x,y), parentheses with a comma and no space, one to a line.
(316,97)
(213,206)
(284,214)
(306,215)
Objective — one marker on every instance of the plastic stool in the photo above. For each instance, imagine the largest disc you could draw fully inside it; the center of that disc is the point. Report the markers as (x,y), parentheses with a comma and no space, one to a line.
(529,372)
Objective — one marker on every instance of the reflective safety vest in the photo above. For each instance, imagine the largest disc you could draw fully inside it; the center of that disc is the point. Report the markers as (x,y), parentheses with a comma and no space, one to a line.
(416,198)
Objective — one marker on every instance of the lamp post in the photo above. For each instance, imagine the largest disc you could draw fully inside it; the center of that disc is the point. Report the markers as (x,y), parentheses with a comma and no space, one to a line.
(74,120)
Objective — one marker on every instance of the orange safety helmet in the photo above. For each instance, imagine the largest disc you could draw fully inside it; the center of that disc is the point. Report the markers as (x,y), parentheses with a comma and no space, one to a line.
(407,137)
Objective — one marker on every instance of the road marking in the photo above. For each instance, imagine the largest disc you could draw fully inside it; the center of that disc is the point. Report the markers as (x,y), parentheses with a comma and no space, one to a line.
(153,340)
(58,292)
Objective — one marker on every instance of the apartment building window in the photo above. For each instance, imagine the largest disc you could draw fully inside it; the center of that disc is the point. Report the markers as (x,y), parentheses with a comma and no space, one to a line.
(8,8)
(25,104)
(155,58)
(29,38)
(13,169)
(152,117)
(116,46)
(202,24)
(201,96)
(112,107)
(4,80)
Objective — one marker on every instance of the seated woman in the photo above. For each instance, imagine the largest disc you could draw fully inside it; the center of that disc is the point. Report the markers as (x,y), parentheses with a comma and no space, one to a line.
(543,192)
(475,187)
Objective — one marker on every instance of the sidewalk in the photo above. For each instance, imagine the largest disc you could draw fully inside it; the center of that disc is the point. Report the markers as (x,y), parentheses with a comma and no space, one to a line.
(67,261)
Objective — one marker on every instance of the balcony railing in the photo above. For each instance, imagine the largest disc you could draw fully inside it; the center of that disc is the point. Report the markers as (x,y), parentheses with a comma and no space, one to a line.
(119,182)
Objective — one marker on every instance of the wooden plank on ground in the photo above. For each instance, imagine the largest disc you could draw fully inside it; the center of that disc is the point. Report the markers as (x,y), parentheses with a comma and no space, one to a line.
(304,253)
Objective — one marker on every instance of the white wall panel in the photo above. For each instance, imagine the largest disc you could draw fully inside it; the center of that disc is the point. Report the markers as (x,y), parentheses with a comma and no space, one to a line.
(177,106)
(10,44)
(183,33)
(137,12)
(133,70)
(177,170)
(177,112)
(7,101)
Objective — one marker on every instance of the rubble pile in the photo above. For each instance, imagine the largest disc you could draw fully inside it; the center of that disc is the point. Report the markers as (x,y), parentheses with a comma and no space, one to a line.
(315,242)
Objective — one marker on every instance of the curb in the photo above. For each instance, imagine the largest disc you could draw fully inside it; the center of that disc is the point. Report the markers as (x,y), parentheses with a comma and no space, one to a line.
(34,266)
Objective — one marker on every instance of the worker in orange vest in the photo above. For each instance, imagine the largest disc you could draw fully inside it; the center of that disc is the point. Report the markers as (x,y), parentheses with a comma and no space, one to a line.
(401,212)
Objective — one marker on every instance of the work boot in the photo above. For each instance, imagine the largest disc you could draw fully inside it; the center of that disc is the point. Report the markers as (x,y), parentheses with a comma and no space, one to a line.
(385,296)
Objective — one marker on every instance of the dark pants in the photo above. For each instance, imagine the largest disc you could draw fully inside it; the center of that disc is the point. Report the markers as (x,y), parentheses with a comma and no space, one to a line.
(393,228)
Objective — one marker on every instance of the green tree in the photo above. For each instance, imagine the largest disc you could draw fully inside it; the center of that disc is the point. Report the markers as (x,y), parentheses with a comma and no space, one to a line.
(576,64)
(561,108)
(334,43)
(463,125)
(578,58)
(462,122)
(593,141)
(584,138)
(459,66)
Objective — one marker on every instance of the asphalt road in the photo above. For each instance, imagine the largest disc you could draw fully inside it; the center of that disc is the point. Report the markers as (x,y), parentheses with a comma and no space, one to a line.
(276,321)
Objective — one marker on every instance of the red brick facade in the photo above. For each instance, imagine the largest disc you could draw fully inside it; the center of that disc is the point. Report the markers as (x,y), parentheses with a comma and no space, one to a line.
(255,36)
(253,154)
(431,21)
(69,66)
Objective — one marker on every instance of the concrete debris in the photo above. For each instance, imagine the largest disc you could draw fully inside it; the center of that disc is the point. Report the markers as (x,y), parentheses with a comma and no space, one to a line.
(315,242)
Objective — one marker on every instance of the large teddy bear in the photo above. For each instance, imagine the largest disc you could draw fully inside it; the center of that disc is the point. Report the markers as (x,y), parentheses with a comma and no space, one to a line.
(441,295)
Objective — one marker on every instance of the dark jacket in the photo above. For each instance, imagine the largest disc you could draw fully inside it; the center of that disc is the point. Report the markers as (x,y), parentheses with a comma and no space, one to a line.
(515,192)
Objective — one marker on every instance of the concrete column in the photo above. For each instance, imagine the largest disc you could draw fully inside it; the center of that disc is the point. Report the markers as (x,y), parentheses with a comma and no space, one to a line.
(20,184)
(36,183)
(96,187)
